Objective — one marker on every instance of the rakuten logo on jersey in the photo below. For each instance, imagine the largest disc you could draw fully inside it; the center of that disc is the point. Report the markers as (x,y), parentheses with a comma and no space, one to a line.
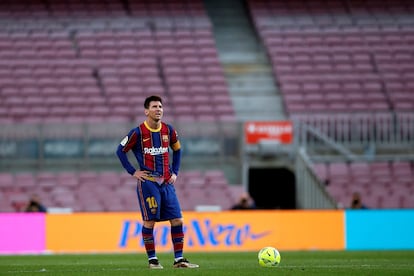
(155,151)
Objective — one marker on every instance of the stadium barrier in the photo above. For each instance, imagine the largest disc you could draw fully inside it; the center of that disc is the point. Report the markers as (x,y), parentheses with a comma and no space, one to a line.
(37,143)
(353,130)
(209,232)
(310,191)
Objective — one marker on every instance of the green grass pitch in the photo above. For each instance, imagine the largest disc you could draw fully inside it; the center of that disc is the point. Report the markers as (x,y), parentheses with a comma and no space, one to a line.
(241,263)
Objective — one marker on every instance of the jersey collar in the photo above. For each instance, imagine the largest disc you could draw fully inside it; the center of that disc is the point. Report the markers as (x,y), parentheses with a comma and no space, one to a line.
(152,129)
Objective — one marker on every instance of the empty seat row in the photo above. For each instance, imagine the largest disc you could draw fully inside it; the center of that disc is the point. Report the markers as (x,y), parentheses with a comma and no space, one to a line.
(77,190)
(39,8)
(270,14)
(381,184)
(346,57)
(108,63)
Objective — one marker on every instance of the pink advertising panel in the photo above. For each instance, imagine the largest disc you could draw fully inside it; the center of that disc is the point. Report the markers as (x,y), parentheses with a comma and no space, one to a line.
(22,233)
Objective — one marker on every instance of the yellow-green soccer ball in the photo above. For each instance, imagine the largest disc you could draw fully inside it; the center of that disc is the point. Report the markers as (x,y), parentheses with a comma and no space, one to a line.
(269,257)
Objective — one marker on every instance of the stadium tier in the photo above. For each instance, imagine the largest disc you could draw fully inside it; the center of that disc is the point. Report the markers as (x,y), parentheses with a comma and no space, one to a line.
(98,68)
(340,56)
(382,185)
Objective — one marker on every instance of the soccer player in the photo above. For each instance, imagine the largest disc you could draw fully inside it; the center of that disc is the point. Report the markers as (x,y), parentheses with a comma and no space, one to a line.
(150,143)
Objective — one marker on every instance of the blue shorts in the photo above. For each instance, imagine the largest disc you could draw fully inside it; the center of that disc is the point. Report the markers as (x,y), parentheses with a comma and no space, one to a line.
(158,202)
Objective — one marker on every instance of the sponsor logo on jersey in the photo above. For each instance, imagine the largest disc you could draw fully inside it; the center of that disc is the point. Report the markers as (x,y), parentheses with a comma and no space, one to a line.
(155,151)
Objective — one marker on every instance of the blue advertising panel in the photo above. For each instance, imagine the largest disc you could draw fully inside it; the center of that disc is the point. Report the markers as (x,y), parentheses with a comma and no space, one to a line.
(379,229)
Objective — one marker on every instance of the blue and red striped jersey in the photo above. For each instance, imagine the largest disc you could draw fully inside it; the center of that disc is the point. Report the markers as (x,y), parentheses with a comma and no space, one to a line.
(151,149)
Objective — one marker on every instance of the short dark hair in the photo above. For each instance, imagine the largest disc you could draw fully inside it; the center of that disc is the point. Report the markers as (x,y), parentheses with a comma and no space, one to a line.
(152,98)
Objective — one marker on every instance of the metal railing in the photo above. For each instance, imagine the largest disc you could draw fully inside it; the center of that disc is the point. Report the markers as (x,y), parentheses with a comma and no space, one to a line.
(53,144)
(310,191)
(385,130)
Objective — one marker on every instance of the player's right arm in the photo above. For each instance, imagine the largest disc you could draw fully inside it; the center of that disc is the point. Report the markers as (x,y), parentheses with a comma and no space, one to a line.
(124,146)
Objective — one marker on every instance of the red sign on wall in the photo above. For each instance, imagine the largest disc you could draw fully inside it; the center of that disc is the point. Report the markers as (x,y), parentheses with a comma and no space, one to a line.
(280,131)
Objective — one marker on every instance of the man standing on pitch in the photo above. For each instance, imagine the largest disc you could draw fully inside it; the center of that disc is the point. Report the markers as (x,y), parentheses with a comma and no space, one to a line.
(150,143)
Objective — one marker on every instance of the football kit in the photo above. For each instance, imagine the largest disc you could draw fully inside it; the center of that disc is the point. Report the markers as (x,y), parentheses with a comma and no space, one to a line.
(156,196)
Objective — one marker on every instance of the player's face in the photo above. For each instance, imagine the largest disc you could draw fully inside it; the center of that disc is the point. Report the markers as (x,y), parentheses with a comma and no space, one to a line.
(154,111)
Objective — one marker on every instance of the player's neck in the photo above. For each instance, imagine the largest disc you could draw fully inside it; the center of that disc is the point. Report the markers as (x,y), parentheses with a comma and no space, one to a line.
(153,124)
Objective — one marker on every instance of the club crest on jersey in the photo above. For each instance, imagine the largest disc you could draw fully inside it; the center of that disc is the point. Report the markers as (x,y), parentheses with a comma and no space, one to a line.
(165,138)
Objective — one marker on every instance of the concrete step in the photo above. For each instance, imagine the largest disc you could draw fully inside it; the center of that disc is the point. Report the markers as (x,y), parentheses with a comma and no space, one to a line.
(234,33)
(239,48)
(240,73)
(240,43)
(241,57)
(257,103)
(244,27)
(249,90)
(263,116)
(229,19)
(219,5)
(253,82)
(246,66)
(253,77)
(236,42)
(243,79)
(260,115)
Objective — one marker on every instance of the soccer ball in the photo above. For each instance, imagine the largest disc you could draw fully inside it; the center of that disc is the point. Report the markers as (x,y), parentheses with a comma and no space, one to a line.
(269,257)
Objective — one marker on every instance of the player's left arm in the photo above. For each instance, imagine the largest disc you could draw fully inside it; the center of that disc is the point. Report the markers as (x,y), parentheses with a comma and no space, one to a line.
(176,160)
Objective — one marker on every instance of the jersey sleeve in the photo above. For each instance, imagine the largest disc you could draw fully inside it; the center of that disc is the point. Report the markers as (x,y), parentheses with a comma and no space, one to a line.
(174,142)
(127,143)
(176,147)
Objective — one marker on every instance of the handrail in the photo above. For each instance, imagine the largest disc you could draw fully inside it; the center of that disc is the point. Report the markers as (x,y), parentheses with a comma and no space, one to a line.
(310,191)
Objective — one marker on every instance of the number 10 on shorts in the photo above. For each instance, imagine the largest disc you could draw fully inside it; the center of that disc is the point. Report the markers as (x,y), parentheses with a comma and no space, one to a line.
(152,203)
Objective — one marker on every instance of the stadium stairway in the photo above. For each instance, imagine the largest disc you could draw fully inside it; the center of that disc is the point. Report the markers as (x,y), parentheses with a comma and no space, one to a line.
(246,66)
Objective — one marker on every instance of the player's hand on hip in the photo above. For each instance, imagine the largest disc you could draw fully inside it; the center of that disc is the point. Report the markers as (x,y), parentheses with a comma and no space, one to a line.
(172,179)
(141,175)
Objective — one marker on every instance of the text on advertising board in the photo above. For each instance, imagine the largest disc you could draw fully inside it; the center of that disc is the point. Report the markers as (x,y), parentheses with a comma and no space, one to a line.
(198,232)
(280,131)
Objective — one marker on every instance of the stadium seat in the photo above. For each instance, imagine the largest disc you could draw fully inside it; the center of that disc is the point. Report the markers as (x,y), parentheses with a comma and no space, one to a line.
(104,59)
(77,190)
(354,57)
(381,184)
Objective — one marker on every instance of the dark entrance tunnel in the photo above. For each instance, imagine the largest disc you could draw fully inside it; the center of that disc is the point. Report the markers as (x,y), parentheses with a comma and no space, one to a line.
(272,188)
